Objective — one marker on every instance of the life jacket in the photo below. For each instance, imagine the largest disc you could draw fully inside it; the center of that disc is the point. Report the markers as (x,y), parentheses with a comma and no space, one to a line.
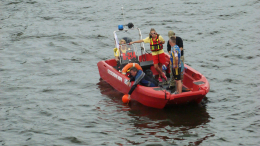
(155,45)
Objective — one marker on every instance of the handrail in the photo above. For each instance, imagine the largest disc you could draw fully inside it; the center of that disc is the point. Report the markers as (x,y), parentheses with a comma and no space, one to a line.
(140,37)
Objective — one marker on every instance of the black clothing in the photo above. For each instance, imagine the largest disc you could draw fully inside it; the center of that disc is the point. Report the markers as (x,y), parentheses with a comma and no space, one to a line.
(179,43)
(142,79)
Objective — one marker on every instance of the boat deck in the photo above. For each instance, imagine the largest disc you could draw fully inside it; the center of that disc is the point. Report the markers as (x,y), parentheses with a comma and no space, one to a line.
(164,85)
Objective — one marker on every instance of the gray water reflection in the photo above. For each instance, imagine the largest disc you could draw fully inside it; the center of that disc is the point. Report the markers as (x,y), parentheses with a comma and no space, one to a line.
(171,124)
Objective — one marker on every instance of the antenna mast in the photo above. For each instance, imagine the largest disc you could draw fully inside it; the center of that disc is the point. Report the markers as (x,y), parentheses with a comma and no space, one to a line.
(123,14)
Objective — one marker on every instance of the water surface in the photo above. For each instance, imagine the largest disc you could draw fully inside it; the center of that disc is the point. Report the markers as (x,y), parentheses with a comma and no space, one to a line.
(51,92)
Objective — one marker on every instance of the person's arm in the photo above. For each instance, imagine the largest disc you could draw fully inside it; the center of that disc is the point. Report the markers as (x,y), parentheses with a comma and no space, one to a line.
(132,79)
(180,43)
(146,40)
(176,59)
(139,76)
(176,62)
(168,47)
(162,41)
(116,54)
(132,89)
(139,41)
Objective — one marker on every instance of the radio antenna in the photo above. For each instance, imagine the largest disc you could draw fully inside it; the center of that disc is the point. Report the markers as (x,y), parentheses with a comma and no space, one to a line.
(123,14)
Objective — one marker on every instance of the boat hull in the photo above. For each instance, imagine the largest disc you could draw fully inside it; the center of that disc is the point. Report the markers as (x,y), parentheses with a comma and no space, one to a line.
(156,97)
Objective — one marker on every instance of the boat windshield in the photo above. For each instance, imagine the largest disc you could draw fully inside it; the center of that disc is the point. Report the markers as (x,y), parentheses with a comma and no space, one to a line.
(128,53)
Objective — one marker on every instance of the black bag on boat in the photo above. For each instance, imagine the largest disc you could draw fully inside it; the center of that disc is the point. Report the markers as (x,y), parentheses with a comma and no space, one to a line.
(149,73)
(149,76)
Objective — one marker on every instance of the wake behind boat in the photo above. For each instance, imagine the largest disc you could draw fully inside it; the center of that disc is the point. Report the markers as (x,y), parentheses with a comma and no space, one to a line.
(195,85)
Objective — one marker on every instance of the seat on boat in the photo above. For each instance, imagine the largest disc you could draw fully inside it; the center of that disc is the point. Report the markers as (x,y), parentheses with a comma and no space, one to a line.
(146,64)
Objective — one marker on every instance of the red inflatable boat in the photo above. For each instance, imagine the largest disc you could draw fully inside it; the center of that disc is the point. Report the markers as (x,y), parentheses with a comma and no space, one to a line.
(195,85)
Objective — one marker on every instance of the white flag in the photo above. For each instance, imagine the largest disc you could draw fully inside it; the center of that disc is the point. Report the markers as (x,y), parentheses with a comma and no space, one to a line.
(117,44)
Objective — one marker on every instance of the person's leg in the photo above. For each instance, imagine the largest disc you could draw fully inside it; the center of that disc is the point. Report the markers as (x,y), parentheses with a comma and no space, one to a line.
(172,81)
(153,84)
(160,66)
(156,66)
(178,79)
(182,59)
(179,86)
(162,61)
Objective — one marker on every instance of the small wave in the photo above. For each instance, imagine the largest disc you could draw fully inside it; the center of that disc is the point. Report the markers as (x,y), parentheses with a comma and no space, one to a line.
(68,82)
(232,81)
(19,88)
(47,90)
(252,85)
(141,9)
(85,51)
(250,57)
(59,36)
(31,2)
(84,105)
(45,113)
(74,43)
(100,36)
(47,18)
(193,3)
(73,140)
(231,16)
(12,3)
(234,56)
(214,32)
(96,36)
(76,59)
(210,66)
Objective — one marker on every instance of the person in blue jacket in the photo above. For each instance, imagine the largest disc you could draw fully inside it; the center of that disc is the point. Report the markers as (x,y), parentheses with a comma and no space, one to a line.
(140,78)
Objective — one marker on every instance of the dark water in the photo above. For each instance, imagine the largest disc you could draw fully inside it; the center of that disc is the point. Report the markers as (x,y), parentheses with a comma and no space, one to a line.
(51,92)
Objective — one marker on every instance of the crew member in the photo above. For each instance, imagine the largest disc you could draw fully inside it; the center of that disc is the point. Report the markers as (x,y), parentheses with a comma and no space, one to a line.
(156,45)
(140,78)
(122,49)
(176,64)
(179,43)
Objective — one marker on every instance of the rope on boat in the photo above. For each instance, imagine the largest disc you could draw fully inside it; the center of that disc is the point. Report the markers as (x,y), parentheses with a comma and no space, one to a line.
(164,90)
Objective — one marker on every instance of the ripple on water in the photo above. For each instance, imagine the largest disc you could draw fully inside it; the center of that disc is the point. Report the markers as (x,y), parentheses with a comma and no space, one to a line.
(74,140)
